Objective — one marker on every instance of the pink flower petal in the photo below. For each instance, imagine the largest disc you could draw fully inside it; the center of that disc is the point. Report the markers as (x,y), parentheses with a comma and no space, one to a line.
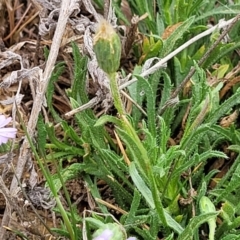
(105,235)
(4,121)
(3,140)
(8,132)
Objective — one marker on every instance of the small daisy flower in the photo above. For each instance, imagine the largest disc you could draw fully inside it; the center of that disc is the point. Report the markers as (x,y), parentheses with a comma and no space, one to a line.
(8,132)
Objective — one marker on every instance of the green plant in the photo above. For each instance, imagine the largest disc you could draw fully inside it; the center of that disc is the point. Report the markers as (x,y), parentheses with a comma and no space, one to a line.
(154,160)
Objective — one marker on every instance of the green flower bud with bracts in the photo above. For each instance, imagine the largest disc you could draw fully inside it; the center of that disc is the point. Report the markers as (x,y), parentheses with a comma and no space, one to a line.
(107,47)
(109,231)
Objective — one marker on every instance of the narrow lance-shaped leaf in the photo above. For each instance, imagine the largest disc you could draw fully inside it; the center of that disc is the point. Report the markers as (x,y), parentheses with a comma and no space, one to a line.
(150,104)
(206,206)
(168,45)
(194,224)
(59,68)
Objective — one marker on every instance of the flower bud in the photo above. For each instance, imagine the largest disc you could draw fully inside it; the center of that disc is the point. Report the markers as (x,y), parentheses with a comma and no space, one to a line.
(109,231)
(107,47)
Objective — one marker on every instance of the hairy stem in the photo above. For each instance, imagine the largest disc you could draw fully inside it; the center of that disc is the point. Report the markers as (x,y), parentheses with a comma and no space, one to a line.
(116,94)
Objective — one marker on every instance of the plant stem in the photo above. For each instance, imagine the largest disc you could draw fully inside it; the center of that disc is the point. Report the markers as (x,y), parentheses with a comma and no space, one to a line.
(116,94)
(145,164)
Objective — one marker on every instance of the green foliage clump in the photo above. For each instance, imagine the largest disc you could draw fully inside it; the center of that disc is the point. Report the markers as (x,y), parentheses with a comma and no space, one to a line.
(153,176)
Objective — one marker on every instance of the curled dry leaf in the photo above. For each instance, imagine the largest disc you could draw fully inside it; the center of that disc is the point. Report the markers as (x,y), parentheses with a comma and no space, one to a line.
(89,7)
(169,30)
(187,201)
(9,59)
(49,17)
(13,75)
(228,86)
(16,76)
(228,120)
(150,62)
(11,100)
